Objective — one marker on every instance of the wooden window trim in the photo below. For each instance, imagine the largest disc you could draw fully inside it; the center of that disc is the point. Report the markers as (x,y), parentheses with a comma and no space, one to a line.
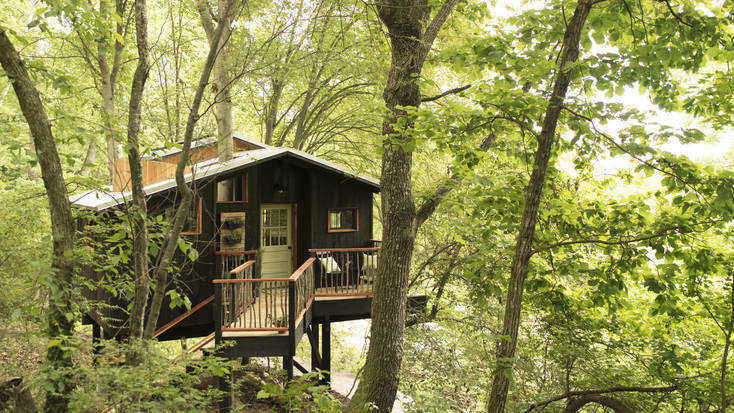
(244,193)
(329,229)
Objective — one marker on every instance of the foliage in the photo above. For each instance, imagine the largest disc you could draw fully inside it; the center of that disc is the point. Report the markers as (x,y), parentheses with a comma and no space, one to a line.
(301,394)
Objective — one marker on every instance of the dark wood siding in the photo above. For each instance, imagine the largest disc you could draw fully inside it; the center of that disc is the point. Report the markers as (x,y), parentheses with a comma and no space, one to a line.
(311,189)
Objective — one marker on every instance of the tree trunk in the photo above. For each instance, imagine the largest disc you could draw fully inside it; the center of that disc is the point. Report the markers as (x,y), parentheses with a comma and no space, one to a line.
(187,195)
(409,48)
(107,78)
(61,312)
(139,207)
(379,381)
(513,306)
(271,110)
(108,116)
(222,86)
(727,347)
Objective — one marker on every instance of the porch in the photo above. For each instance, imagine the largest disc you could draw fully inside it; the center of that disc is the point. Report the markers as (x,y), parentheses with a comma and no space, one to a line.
(337,281)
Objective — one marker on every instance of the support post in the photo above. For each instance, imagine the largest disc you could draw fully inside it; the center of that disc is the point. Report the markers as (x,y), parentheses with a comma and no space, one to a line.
(288,366)
(96,341)
(326,352)
(225,406)
(314,341)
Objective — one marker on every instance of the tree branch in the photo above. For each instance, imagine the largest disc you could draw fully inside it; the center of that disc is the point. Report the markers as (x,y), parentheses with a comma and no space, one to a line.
(448,92)
(621,389)
(429,36)
(429,205)
(619,241)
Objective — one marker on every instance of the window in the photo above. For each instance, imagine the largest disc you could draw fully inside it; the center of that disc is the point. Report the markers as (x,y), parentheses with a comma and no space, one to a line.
(343,220)
(232,190)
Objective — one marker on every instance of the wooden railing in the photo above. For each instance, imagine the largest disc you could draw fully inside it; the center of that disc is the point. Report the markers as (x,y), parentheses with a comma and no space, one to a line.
(183,316)
(234,295)
(229,260)
(345,271)
(302,291)
(263,304)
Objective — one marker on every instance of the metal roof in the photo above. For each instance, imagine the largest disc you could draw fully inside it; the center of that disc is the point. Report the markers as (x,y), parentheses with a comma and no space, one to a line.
(103,198)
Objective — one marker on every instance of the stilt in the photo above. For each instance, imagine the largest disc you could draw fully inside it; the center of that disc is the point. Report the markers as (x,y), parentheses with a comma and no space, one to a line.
(96,341)
(313,339)
(326,352)
(288,366)
(225,406)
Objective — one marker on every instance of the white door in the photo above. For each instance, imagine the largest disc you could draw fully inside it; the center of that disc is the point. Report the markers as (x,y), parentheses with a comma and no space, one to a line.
(275,241)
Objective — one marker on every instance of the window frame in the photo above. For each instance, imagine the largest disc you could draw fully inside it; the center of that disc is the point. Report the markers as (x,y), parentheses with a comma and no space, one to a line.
(337,230)
(243,182)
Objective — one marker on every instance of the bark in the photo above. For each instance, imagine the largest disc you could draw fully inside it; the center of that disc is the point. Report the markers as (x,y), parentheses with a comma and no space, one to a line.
(187,195)
(380,377)
(725,355)
(139,207)
(221,83)
(523,248)
(576,404)
(107,79)
(61,312)
(271,110)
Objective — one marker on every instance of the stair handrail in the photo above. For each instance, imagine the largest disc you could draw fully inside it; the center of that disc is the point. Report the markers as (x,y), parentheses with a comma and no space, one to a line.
(183,316)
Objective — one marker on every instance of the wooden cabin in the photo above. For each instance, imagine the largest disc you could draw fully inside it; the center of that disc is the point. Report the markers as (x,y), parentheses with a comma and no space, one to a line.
(285,244)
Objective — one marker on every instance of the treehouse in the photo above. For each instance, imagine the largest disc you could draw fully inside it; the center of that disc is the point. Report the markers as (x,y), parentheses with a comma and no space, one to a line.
(285,247)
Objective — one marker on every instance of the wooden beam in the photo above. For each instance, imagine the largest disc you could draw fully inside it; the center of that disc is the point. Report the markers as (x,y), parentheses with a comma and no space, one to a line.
(298,365)
(183,316)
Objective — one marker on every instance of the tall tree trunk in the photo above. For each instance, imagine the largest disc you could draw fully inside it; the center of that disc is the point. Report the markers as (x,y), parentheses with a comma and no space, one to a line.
(379,381)
(727,347)
(271,109)
(513,306)
(61,312)
(107,79)
(222,85)
(108,116)
(187,195)
(409,47)
(139,207)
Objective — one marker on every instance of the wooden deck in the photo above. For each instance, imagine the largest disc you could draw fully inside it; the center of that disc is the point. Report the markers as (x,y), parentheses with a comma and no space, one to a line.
(267,315)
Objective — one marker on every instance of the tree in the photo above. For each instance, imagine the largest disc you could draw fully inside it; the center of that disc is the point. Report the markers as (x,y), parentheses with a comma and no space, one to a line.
(222,81)
(172,233)
(61,312)
(523,249)
(410,45)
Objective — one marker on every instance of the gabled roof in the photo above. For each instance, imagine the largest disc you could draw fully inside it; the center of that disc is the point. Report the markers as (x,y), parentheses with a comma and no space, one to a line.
(103,198)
